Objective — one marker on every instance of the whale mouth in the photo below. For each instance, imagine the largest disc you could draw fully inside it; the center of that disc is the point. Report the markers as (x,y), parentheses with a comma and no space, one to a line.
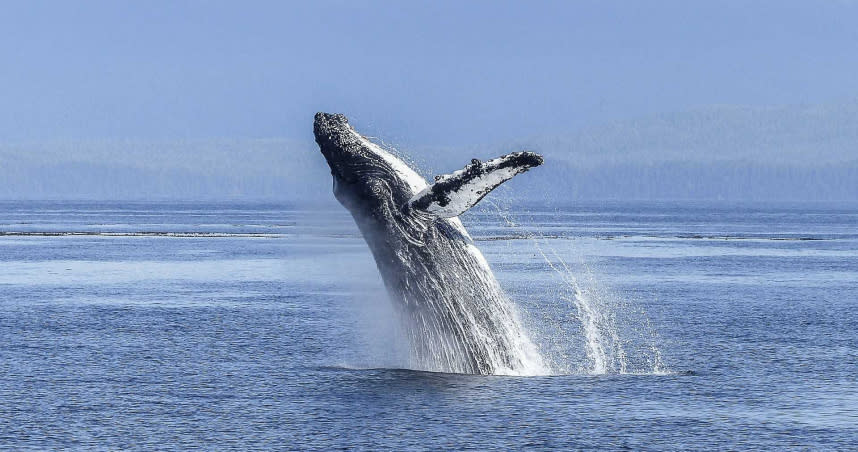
(334,134)
(352,157)
(335,140)
(327,122)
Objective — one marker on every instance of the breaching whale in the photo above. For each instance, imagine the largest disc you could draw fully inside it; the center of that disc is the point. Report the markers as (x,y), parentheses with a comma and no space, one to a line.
(455,314)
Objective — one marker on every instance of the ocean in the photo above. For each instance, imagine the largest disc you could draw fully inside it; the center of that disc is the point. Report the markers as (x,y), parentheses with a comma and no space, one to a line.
(235,326)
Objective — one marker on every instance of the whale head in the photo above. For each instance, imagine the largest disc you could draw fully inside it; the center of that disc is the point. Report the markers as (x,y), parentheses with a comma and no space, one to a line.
(370,179)
(366,177)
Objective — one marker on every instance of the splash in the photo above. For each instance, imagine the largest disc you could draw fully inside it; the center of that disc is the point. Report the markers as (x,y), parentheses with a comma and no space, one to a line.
(462,321)
(454,314)
(613,335)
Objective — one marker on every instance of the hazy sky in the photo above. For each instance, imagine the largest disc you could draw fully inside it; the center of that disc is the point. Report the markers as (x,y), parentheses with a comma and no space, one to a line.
(421,73)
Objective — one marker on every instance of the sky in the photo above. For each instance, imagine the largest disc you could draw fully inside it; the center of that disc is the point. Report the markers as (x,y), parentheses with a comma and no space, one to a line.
(215,99)
(418,73)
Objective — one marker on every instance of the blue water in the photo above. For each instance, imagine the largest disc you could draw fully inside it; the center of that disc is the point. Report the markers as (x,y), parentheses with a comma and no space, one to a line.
(236,327)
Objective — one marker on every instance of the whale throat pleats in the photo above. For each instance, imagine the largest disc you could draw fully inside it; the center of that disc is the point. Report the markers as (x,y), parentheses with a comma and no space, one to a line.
(453,194)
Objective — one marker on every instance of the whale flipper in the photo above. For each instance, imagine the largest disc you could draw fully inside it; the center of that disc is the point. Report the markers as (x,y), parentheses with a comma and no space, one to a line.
(453,194)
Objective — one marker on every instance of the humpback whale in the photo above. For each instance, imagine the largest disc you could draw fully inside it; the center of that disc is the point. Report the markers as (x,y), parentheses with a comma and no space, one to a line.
(454,312)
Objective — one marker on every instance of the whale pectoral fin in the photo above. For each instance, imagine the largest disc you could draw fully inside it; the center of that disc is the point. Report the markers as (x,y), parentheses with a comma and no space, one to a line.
(453,194)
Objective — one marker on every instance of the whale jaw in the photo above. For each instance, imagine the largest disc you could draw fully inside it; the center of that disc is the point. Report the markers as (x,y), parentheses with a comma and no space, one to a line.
(340,145)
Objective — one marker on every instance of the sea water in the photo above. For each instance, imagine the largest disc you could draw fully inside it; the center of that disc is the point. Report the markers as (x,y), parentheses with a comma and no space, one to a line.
(232,326)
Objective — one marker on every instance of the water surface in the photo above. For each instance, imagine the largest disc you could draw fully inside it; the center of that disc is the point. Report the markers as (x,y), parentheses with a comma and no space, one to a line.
(235,326)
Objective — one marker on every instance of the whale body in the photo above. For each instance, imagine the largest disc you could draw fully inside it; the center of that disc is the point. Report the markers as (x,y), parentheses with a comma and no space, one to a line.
(454,312)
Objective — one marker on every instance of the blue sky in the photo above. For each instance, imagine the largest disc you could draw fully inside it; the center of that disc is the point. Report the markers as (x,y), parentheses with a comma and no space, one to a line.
(440,73)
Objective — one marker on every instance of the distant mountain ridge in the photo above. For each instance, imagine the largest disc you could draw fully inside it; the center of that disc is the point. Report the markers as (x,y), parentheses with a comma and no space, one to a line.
(804,152)
(814,134)
(795,134)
